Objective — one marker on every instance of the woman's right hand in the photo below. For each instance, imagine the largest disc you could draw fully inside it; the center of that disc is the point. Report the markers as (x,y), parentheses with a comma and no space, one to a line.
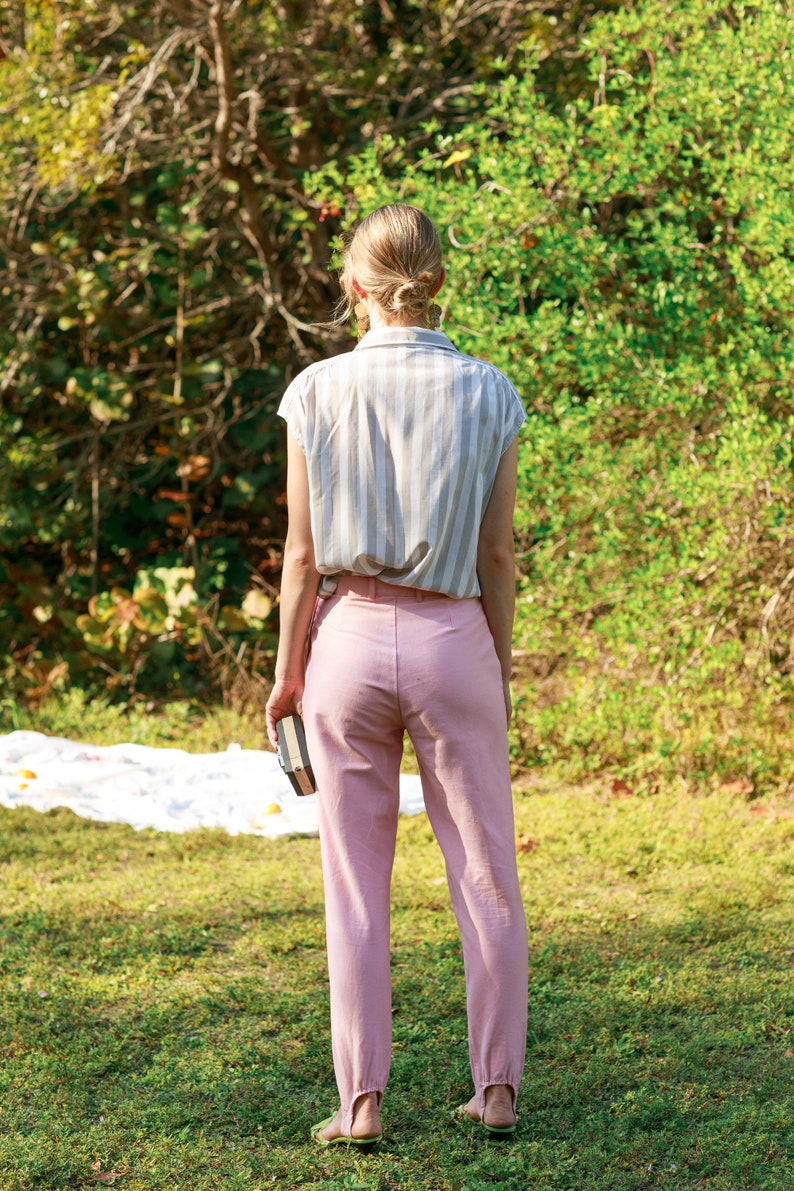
(286,698)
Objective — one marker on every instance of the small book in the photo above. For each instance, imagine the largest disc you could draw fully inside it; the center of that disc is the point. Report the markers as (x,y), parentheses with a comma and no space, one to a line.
(293,756)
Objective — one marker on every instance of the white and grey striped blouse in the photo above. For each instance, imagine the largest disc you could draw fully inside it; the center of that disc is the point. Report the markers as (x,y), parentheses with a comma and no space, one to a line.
(402,438)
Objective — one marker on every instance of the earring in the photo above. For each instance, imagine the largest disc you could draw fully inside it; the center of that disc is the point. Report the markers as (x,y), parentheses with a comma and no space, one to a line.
(362,318)
(433,317)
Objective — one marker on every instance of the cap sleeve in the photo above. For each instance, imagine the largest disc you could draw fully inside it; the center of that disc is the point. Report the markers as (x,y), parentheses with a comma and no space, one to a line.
(293,410)
(514,415)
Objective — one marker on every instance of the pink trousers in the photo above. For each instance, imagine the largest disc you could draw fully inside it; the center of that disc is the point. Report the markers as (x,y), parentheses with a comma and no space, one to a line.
(383,661)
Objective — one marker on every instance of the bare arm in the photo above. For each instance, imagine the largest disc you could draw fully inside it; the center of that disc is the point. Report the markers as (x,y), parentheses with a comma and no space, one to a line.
(496,568)
(299,582)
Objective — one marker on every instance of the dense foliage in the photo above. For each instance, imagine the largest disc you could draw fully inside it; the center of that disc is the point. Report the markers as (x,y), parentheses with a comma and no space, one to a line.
(614,188)
(627,258)
(163,272)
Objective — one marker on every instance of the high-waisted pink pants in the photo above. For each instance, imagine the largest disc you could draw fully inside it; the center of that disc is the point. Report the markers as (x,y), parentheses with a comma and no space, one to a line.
(384,660)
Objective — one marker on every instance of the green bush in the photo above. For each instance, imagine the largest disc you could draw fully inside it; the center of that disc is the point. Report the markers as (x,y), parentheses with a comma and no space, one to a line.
(626,257)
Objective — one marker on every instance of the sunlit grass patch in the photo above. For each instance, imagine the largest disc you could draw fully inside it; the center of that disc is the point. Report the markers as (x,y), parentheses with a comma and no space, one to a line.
(165,1005)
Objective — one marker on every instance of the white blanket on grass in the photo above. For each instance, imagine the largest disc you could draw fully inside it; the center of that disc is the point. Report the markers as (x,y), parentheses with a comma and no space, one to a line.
(240,790)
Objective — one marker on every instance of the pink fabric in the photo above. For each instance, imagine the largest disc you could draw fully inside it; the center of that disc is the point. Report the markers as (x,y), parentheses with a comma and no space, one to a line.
(384,660)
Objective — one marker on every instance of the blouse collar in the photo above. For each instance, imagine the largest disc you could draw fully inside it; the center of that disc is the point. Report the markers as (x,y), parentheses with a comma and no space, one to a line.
(401,336)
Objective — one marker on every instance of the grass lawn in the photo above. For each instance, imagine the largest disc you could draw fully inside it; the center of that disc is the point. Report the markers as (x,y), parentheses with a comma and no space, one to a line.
(164,1018)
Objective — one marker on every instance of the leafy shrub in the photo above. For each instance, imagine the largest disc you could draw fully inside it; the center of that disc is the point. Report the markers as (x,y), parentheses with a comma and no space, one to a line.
(626,257)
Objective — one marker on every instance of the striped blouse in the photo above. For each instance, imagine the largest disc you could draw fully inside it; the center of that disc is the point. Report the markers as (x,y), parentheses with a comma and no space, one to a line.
(402,438)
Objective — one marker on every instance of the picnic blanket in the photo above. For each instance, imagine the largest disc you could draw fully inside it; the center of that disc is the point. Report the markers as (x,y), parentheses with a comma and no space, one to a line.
(240,790)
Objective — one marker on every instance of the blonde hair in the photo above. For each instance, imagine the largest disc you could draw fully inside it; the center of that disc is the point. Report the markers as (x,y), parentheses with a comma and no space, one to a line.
(395,256)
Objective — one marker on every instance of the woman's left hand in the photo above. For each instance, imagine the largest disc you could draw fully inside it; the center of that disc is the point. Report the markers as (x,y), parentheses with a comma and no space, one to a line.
(508,700)
(286,698)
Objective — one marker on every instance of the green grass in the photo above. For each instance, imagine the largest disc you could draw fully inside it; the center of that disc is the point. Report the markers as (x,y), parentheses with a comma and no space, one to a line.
(163,1006)
(180,723)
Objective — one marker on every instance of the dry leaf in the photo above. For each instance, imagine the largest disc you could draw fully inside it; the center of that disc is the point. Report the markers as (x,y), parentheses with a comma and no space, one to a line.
(104,1176)
(329,210)
(171,494)
(742,787)
(526,844)
(195,467)
(621,789)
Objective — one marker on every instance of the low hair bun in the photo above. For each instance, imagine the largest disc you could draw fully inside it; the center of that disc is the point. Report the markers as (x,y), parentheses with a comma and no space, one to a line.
(412,295)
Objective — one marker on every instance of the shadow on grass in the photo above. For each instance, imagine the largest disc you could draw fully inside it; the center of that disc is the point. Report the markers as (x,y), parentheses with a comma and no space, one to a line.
(165,1014)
